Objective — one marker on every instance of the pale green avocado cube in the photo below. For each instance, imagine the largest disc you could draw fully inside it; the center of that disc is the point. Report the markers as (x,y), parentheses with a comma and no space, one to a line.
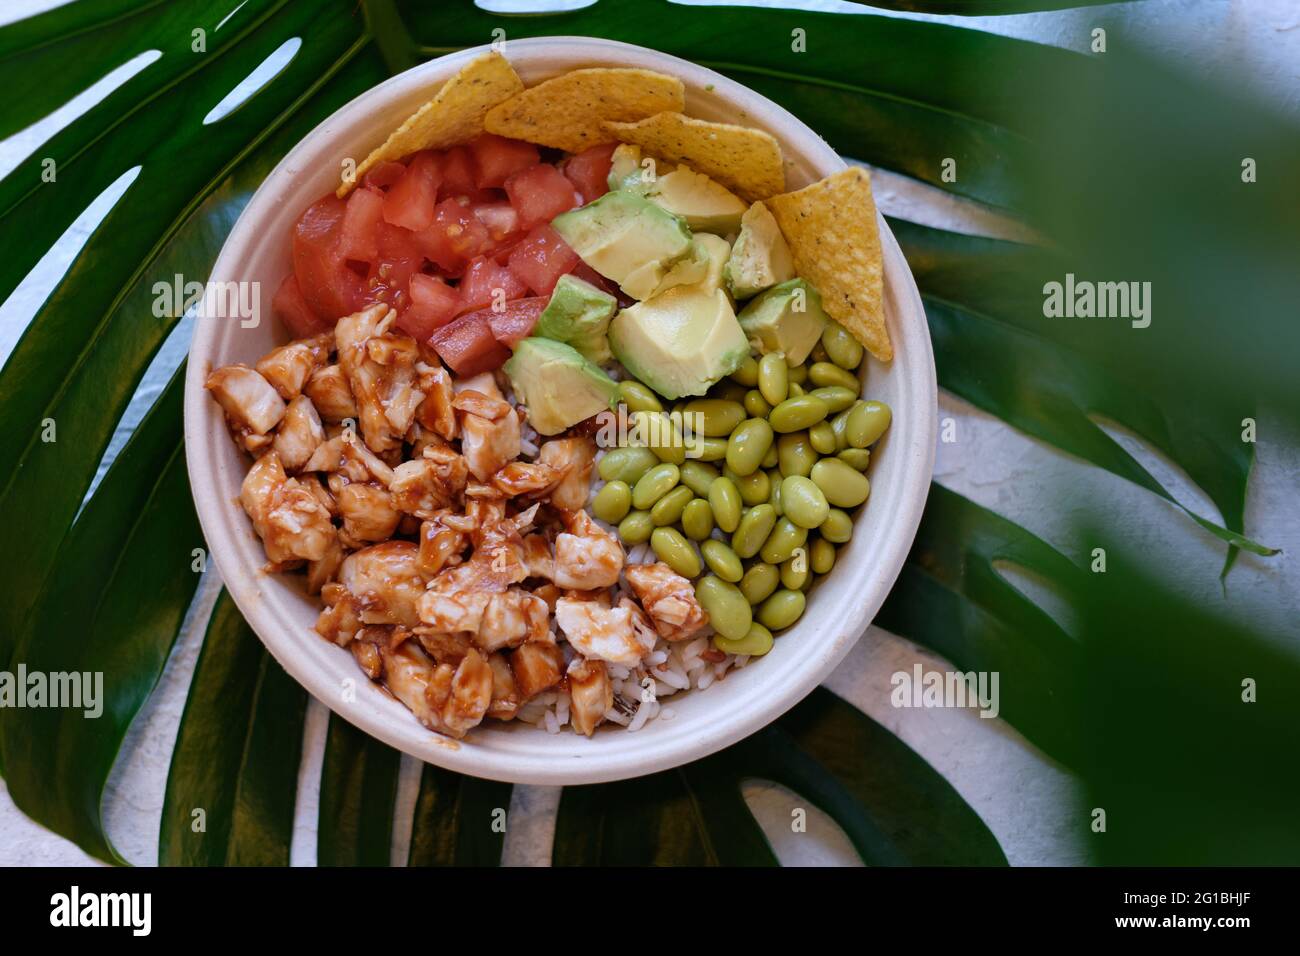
(787,318)
(679,342)
(760,257)
(578,313)
(700,268)
(557,385)
(622,232)
(707,206)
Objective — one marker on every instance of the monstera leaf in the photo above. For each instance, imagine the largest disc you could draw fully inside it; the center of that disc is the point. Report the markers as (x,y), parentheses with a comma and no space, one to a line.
(103,582)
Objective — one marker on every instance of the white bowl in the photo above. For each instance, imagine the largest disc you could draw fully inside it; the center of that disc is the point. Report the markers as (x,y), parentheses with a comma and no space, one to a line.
(282,614)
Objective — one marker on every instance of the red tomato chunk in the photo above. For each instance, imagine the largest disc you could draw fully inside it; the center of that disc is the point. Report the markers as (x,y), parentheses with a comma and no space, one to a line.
(589,171)
(433,304)
(541,259)
(539,194)
(516,320)
(410,201)
(330,288)
(467,345)
(293,310)
(496,159)
(483,279)
(361,218)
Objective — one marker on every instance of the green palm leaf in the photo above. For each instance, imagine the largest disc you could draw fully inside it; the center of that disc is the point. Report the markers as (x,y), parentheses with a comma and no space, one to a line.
(358,784)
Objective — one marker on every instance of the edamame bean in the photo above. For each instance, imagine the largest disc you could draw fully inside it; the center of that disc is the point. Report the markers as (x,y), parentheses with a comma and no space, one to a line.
(729,612)
(818,353)
(759,582)
(668,509)
(836,397)
(842,485)
(775,499)
(627,464)
(747,374)
(840,346)
(724,499)
(823,374)
(795,454)
(612,502)
(661,435)
(858,458)
(785,537)
(802,411)
(839,426)
(821,556)
(713,417)
(636,528)
(867,422)
(675,551)
(754,527)
(722,561)
(638,398)
(697,520)
(822,437)
(771,459)
(757,642)
(654,484)
(837,528)
(795,390)
(782,609)
(795,573)
(797,374)
(728,391)
(709,449)
(803,501)
(698,476)
(756,404)
(773,378)
(748,446)
(754,488)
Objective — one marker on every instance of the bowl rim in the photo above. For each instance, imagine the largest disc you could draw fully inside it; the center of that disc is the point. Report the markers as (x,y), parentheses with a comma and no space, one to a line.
(223,522)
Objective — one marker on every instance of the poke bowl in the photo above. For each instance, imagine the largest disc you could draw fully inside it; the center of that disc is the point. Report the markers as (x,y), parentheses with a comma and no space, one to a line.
(588,420)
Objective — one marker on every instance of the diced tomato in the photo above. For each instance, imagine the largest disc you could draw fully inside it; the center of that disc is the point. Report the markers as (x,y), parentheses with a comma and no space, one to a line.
(399,259)
(499,217)
(478,289)
(361,218)
(468,346)
(330,288)
(541,259)
(458,177)
(433,304)
(516,320)
(496,159)
(455,236)
(384,174)
(409,203)
(293,310)
(589,171)
(539,194)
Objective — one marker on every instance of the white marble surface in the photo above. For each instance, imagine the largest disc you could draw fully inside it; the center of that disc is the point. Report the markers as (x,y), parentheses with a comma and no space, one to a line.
(1029,803)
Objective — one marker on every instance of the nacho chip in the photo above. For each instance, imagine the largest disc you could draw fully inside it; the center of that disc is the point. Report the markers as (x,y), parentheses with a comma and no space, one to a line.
(566,111)
(747,161)
(830,227)
(453,116)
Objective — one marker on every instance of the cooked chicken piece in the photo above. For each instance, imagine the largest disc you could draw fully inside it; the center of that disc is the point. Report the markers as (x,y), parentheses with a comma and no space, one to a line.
(322,572)
(596,630)
(586,556)
(473,402)
(327,457)
(522,477)
(484,383)
(590,694)
(408,674)
(462,705)
(443,647)
(550,594)
(249,401)
(573,458)
(668,598)
(330,392)
(340,621)
(536,667)
(380,368)
(254,444)
(288,367)
(322,494)
(429,484)
(511,618)
(439,544)
(386,581)
(286,516)
(366,649)
(435,412)
(299,435)
(454,611)
(538,558)
(489,445)
(505,693)
(368,512)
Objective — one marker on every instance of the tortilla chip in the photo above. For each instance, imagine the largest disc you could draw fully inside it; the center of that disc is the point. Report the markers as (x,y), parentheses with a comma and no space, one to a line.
(830,227)
(453,116)
(747,161)
(566,111)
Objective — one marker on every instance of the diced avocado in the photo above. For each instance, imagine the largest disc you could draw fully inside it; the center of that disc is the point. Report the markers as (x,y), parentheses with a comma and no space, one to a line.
(760,257)
(701,267)
(578,313)
(787,318)
(680,342)
(622,232)
(630,170)
(706,206)
(559,386)
(715,251)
